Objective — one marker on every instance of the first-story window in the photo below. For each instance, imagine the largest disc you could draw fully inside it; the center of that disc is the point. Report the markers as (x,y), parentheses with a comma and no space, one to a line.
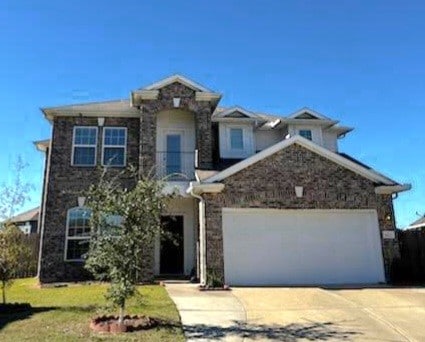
(114,146)
(77,234)
(306,133)
(84,146)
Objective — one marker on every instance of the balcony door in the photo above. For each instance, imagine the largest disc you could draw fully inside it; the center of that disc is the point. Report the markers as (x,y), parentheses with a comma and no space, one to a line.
(173,155)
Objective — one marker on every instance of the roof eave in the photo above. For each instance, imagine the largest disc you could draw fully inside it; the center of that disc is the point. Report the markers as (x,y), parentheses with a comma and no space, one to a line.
(392,189)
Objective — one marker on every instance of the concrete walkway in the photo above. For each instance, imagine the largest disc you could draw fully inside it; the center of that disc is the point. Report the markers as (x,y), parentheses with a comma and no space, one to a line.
(207,315)
(301,314)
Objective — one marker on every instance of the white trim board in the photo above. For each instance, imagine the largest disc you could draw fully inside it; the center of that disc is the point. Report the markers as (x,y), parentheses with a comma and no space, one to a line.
(336,158)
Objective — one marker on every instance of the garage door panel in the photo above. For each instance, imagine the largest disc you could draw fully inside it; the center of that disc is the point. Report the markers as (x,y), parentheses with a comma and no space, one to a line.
(270,247)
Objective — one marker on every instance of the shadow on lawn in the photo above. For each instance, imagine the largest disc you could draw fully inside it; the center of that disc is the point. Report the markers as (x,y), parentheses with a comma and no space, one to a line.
(291,332)
(9,317)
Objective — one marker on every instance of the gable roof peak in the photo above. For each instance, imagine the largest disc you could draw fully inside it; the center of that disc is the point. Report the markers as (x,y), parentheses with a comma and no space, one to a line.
(177,78)
(306,110)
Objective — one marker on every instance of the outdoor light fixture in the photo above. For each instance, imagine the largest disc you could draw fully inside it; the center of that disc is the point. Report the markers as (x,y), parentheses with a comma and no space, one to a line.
(299,191)
(176,102)
(100,121)
(81,201)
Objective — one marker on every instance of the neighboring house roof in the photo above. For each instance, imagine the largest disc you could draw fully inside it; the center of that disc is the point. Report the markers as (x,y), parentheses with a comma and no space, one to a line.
(30,215)
(417,224)
(356,167)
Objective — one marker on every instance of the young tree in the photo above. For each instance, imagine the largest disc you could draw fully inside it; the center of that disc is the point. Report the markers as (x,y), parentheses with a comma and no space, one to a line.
(124,224)
(14,252)
(15,194)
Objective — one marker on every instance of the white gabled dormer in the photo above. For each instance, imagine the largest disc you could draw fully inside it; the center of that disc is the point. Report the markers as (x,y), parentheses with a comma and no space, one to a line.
(236,132)
(316,127)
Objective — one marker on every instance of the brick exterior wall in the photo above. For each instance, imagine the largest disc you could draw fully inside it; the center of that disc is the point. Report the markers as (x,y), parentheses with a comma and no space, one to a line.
(270,183)
(204,134)
(66,183)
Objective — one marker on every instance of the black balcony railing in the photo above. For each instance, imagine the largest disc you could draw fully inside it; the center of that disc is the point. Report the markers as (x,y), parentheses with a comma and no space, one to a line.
(175,166)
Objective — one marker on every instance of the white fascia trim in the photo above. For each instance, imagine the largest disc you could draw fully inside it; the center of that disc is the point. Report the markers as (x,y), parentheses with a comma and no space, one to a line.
(309,111)
(309,122)
(200,188)
(207,96)
(369,174)
(42,145)
(137,96)
(177,78)
(391,189)
(340,130)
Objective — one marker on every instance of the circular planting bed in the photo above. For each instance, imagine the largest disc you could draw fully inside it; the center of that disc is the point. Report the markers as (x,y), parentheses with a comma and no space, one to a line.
(131,323)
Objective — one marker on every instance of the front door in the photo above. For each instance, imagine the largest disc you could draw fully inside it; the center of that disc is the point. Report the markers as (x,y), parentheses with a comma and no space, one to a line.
(173,162)
(171,247)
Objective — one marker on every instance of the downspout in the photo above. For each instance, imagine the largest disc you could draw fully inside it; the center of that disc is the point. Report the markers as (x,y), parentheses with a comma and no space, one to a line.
(202,236)
(42,214)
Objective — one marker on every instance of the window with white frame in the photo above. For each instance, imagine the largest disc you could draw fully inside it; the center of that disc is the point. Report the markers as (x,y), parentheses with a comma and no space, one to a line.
(77,234)
(112,223)
(236,139)
(114,146)
(306,133)
(84,146)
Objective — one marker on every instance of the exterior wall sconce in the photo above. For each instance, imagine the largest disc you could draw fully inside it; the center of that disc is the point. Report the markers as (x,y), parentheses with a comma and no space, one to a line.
(100,121)
(176,102)
(81,201)
(299,190)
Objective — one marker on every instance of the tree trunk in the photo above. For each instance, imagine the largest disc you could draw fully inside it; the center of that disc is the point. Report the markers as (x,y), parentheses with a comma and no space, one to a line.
(121,317)
(3,288)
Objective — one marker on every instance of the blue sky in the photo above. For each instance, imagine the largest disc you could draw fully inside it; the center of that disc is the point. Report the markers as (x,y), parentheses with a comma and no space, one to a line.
(361,62)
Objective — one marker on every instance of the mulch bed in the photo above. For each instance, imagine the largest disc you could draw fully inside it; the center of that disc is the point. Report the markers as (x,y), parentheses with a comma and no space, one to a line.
(109,324)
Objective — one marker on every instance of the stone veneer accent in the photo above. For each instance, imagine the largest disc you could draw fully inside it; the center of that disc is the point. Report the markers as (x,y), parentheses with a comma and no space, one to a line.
(66,183)
(270,183)
(202,111)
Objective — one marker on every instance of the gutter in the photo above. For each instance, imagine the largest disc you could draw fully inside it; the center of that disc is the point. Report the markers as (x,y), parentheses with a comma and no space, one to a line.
(195,190)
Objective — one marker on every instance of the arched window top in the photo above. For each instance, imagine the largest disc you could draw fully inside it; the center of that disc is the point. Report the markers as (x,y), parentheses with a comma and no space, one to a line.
(78,221)
(77,233)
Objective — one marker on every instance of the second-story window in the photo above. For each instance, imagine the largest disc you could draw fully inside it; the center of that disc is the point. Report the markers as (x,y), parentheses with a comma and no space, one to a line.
(114,146)
(236,139)
(84,146)
(306,133)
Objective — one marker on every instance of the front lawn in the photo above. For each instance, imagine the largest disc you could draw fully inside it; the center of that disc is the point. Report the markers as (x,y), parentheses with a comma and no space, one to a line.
(63,314)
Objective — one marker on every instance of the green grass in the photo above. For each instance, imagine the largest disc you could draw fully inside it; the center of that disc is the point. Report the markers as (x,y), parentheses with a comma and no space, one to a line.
(63,314)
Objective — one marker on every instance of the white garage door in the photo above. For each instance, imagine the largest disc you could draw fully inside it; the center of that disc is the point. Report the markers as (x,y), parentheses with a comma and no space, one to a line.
(278,247)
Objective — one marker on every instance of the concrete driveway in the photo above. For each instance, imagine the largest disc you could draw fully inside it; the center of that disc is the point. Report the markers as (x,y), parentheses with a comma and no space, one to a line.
(301,314)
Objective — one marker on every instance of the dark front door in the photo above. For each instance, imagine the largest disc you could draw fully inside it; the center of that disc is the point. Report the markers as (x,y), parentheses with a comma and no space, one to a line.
(172,251)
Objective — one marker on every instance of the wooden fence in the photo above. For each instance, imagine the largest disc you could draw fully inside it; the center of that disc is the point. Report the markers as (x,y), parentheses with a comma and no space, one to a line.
(411,266)
(30,269)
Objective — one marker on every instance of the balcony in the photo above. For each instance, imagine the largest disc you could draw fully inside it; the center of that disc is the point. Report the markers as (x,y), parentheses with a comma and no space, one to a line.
(176,166)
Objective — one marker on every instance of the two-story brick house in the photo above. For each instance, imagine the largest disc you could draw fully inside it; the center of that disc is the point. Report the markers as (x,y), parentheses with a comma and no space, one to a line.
(264,199)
